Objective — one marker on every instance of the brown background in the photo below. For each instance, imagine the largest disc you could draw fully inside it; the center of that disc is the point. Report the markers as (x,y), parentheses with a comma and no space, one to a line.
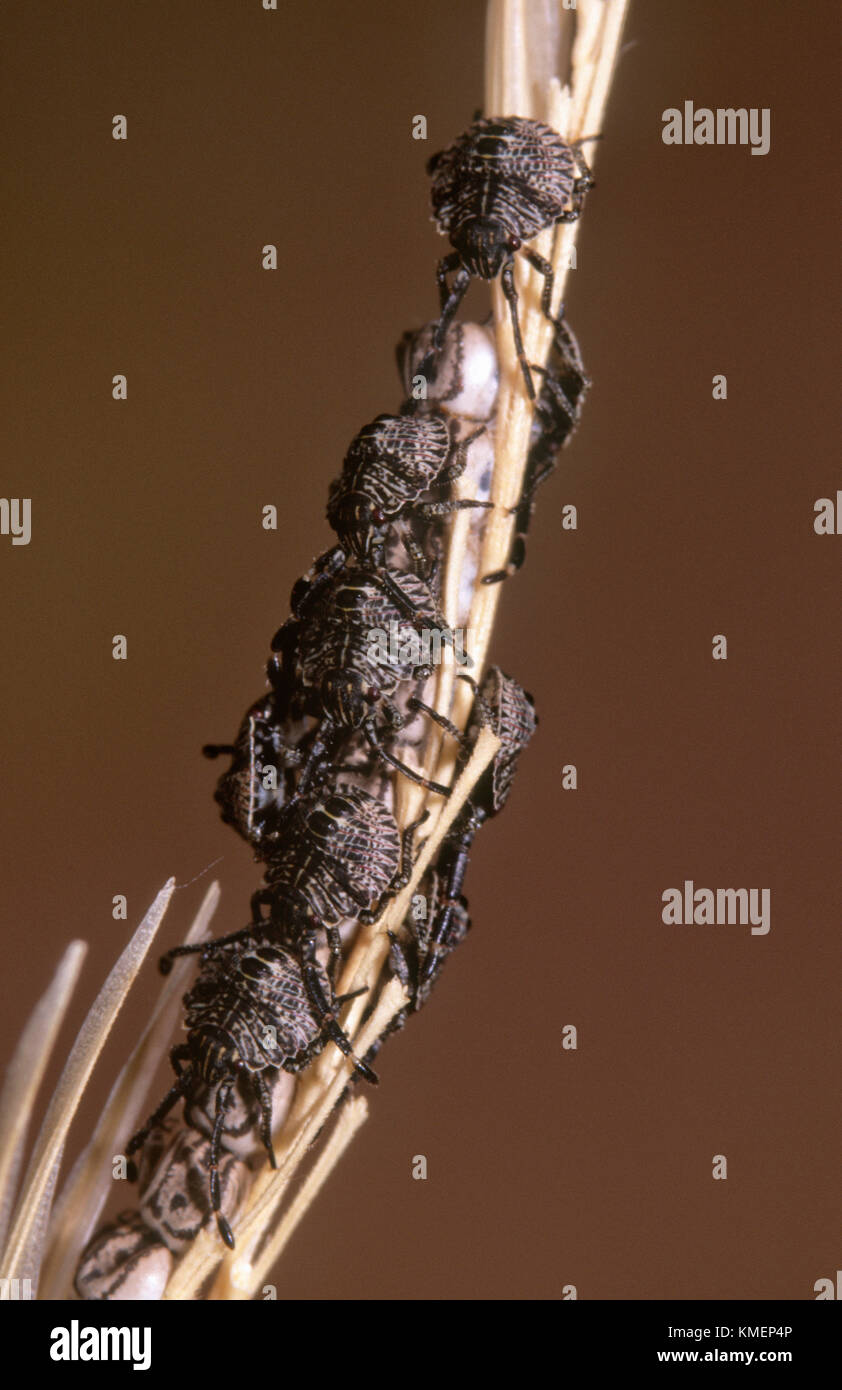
(546,1167)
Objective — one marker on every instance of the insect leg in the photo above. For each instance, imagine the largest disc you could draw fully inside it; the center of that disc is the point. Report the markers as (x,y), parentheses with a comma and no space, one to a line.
(304,590)
(334,942)
(423,564)
(223,1097)
(454,868)
(453,261)
(401,767)
(482,709)
(450,298)
(569,348)
(385,581)
(543,266)
(165,963)
(352,994)
(445,508)
(399,962)
(177,1089)
(517,550)
(455,469)
(507,280)
(404,873)
(327,1020)
(549,412)
(414,703)
(264,1098)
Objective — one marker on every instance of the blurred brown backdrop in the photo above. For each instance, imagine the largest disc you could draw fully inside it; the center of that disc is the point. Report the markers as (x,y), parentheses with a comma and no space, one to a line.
(546,1167)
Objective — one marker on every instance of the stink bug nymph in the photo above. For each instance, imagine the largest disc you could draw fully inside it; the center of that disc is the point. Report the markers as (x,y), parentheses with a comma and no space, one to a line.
(493,190)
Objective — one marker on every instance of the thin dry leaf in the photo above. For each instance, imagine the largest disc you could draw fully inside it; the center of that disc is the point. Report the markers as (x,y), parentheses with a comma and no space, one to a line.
(22,1255)
(26,1071)
(89,1183)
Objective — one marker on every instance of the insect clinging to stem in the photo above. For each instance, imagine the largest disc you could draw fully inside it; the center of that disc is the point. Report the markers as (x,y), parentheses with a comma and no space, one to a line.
(494,189)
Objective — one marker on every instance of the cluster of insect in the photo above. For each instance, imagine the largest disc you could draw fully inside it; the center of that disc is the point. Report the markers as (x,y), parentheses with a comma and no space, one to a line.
(312,771)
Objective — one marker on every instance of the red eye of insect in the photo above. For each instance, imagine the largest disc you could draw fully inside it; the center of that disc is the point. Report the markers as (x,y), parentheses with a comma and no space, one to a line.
(377,516)
(372,694)
(513,242)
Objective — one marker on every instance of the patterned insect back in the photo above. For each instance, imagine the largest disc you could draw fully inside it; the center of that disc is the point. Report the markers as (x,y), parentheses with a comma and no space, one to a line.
(515,174)
(394,483)
(510,711)
(332,640)
(255,1008)
(350,647)
(493,190)
(390,463)
(249,1010)
(254,789)
(339,855)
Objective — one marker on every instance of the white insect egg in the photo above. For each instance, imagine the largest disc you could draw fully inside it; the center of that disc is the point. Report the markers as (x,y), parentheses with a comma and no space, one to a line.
(480,374)
(467,374)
